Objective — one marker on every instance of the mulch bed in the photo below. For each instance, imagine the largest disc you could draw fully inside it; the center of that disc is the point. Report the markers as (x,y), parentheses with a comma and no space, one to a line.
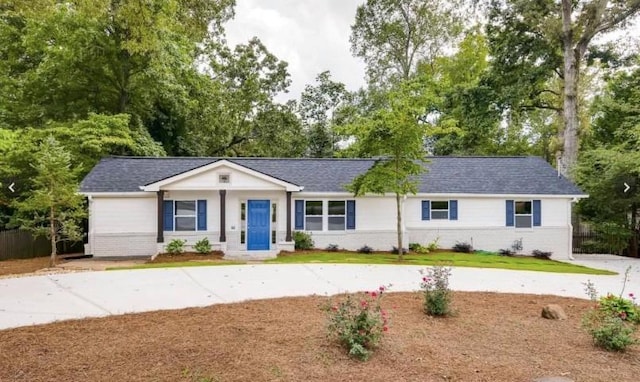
(493,337)
(20,266)
(187,256)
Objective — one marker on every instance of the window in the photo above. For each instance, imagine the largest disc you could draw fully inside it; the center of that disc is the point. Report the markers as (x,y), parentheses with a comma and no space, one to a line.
(313,215)
(337,213)
(243,222)
(224,178)
(185,215)
(440,210)
(523,213)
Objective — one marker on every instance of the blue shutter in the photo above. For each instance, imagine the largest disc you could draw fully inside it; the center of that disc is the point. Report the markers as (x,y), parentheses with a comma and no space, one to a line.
(299,224)
(168,215)
(510,216)
(426,210)
(202,215)
(537,213)
(351,214)
(453,210)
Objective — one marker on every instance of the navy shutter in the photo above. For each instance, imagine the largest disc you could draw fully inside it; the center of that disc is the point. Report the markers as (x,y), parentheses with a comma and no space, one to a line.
(510,217)
(202,215)
(351,214)
(168,215)
(453,210)
(537,213)
(426,210)
(299,224)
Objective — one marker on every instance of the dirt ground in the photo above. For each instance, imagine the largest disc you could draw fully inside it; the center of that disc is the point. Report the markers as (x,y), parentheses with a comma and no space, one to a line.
(493,337)
(14,267)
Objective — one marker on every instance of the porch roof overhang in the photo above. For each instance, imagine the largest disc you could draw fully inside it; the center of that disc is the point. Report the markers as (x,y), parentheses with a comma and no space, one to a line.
(157,186)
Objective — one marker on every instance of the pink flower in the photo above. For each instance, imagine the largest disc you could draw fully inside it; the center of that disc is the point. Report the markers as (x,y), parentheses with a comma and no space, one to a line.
(385,328)
(364,304)
(631,295)
(382,288)
(374,294)
(623,315)
(334,308)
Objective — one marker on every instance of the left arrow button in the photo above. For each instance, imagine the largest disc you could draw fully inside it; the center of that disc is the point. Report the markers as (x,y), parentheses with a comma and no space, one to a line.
(11,186)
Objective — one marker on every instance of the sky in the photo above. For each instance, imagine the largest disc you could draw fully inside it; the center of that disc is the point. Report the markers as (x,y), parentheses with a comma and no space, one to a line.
(310,35)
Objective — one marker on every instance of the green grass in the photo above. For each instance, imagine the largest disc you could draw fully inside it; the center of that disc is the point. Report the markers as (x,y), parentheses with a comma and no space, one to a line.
(442,258)
(177,264)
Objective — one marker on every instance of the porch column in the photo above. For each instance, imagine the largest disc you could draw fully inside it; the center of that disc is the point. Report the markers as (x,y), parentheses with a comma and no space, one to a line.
(160,217)
(223,214)
(288,237)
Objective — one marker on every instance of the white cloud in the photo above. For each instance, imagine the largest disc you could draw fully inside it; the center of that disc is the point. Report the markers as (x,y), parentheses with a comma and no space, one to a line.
(311,36)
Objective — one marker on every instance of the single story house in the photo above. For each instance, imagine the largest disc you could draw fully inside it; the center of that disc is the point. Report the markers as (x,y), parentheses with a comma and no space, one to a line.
(249,207)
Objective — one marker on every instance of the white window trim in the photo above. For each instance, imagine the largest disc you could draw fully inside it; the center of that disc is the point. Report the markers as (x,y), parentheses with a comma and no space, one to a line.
(516,214)
(344,217)
(431,209)
(176,216)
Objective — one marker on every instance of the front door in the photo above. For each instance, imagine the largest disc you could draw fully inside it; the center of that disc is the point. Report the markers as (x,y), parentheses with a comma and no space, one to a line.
(258,219)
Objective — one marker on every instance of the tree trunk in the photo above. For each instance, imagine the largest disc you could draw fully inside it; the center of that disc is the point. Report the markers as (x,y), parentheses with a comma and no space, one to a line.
(568,157)
(399,226)
(52,233)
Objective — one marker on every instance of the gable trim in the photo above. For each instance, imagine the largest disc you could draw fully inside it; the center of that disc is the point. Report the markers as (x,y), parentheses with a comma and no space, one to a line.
(156,186)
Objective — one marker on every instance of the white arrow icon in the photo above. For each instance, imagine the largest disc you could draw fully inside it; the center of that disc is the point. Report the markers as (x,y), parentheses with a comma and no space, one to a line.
(11,186)
(626,187)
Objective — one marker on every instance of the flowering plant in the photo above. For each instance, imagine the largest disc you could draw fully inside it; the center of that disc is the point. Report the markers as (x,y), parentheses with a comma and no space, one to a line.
(358,322)
(613,319)
(436,292)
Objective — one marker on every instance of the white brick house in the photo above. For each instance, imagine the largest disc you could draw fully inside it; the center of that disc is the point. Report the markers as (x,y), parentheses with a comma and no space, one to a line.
(250,206)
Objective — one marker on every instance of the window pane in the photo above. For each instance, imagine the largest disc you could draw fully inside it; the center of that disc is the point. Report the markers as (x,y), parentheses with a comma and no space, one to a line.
(243,209)
(313,223)
(440,205)
(440,215)
(314,207)
(186,224)
(186,208)
(336,223)
(273,237)
(336,207)
(242,237)
(523,208)
(523,221)
(274,212)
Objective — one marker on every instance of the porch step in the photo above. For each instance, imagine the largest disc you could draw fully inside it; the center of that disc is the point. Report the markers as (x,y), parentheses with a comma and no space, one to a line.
(251,255)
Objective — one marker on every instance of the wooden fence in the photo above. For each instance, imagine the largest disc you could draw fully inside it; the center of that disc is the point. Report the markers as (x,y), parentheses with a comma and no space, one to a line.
(18,244)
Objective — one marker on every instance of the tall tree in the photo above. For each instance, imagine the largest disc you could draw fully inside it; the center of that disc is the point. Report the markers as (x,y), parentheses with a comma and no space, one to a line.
(393,36)
(54,207)
(553,37)
(396,136)
(317,107)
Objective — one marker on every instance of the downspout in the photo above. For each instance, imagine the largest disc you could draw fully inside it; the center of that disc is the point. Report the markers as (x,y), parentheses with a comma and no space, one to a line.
(571,202)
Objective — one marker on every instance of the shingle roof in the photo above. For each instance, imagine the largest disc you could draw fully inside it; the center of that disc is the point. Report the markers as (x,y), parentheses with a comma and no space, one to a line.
(466,175)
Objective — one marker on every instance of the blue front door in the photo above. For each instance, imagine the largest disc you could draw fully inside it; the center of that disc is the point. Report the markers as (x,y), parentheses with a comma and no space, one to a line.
(258,219)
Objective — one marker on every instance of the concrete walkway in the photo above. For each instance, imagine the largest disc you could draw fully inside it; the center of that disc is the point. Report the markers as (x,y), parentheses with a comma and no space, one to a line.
(47,298)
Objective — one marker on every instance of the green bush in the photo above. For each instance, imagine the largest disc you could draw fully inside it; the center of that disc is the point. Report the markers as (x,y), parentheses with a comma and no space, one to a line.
(463,247)
(418,248)
(303,240)
(358,323)
(433,246)
(176,246)
(435,291)
(203,246)
(365,249)
(609,332)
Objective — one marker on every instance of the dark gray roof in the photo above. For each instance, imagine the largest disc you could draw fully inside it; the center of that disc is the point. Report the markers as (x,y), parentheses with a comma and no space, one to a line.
(467,175)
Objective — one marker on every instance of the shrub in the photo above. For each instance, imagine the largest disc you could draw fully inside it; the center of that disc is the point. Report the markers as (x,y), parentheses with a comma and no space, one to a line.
(332,248)
(612,321)
(418,248)
(433,246)
(395,250)
(203,246)
(506,252)
(463,247)
(358,322)
(435,290)
(302,240)
(541,254)
(365,249)
(176,246)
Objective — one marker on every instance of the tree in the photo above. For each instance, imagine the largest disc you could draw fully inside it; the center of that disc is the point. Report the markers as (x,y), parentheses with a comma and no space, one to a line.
(53,207)
(537,39)
(395,136)
(318,104)
(394,36)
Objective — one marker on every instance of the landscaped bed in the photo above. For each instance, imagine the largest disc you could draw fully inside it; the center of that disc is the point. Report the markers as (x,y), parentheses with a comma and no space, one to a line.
(492,337)
(484,260)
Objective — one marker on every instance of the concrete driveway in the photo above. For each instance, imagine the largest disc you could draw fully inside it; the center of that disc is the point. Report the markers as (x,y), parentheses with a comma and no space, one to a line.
(47,298)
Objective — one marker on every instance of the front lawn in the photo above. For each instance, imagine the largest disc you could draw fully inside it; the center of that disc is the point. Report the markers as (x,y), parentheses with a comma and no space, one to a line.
(447,258)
